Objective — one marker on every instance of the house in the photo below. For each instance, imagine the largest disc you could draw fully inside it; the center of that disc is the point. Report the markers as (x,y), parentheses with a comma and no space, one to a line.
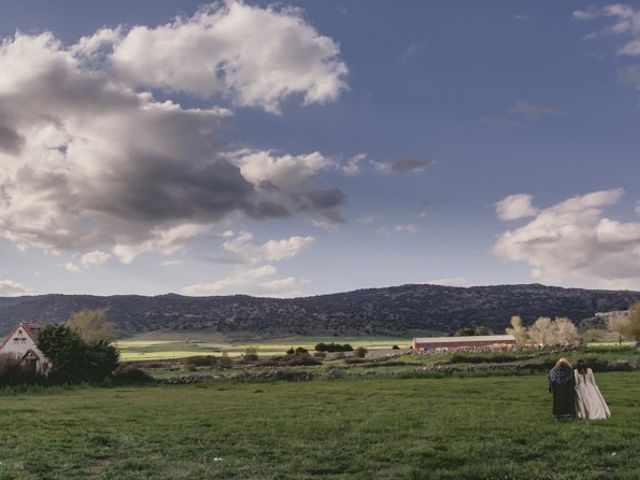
(446,343)
(21,344)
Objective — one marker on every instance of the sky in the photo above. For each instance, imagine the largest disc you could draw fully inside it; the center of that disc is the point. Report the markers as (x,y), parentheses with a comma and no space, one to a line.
(305,147)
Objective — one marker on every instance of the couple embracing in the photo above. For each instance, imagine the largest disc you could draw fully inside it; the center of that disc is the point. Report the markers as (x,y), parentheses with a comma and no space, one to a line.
(575,391)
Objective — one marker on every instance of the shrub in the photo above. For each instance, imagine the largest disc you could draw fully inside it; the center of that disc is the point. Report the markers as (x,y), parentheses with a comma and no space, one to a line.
(395,347)
(12,373)
(301,351)
(354,360)
(291,351)
(131,374)
(501,358)
(360,352)
(224,362)
(250,355)
(333,347)
(73,359)
(201,361)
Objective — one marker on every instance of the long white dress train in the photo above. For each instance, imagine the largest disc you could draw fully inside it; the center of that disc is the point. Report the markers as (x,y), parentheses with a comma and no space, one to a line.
(590,402)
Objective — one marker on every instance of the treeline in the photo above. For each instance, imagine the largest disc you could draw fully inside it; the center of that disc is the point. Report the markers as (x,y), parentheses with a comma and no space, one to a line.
(333,347)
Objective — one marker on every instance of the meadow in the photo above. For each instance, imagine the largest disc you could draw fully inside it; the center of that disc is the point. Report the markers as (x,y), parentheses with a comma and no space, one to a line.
(447,428)
(169,346)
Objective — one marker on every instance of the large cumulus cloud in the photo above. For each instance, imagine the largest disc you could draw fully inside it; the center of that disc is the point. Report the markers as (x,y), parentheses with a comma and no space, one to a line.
(575,240)
(91,158)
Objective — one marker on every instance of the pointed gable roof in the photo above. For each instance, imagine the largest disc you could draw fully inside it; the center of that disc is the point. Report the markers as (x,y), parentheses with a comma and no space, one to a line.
(30,330)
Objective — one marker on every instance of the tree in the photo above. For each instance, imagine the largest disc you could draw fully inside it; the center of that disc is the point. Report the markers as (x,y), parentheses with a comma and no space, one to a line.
(518,330)
(360,352)
(541,331)
(553,332)
(472,330)
(465,332)
(301,351)
(250,354)
(565,331)
(66,351)
(75,360)
(92,325)
(628,325)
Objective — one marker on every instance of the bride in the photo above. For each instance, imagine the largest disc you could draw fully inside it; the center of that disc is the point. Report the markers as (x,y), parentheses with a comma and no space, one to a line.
(589,400)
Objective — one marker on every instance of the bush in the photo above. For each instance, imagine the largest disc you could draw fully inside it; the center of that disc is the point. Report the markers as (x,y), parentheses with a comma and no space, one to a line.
(12,373)
(131,374)
(291,351)
(395,347)
(501,358)
(301,351)
(224,362)
(360,352)
(333,347)
(201,361)
(74,360)
(354,360)
(250,355)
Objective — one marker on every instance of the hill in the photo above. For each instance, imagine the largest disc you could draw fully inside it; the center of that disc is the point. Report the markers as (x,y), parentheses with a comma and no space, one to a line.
(403,310)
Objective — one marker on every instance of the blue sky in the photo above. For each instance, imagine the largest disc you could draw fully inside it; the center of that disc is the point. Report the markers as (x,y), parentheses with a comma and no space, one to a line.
(331,146)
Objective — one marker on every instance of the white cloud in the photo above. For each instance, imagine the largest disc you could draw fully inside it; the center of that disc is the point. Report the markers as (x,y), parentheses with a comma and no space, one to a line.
(271,250)
(353,166)
(286,173)
(515,206)
(573,240)
(255,56)
(93,160)
(247,276)
(408,228)
(235,283)
(625,22)
(285,287)
(171,263)
(94,258)
(164,241)
(10,288)
(72,267)
(451,282)
(250,281)
(367,219)
(532,112)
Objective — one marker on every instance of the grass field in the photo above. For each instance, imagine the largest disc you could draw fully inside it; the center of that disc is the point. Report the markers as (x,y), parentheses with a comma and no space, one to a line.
(174,346)
(453,428)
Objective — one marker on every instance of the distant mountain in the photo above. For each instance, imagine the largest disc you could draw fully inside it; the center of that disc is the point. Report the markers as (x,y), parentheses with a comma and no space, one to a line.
(403,310)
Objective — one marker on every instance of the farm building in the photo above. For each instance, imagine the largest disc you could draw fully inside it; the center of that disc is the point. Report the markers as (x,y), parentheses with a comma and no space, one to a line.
(21,344)
(446,343)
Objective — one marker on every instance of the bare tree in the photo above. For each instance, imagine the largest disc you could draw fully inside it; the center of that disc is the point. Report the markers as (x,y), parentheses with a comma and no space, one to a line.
(518,330)
(553,332)
(92,325)
(541,332)
(565,331)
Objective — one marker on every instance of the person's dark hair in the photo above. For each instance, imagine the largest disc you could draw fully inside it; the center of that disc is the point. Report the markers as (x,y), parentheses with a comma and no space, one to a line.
(581,366)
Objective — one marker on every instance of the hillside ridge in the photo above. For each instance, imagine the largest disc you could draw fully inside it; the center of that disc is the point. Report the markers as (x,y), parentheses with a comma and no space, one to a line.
(395,310)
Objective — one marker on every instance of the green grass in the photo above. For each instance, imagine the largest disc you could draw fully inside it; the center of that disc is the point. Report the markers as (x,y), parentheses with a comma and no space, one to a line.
(453,428)
(175,346)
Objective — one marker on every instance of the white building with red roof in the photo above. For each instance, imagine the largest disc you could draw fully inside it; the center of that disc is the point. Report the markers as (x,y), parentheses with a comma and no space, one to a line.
(22,345)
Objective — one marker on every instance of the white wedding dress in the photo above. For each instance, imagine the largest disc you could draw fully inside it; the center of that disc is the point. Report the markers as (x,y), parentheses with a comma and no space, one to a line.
(590,402)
